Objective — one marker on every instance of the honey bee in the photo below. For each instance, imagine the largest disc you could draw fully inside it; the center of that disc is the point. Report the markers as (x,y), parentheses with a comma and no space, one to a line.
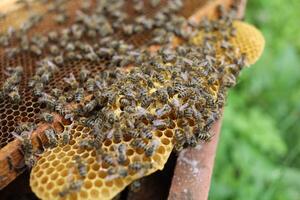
(47,117)
(146,133)
(60,18)
(138,6)
(122,154)
(26,126)
(154,3)
(48,100)
(117,135)
(180,139)
(202,135)
(27,147)
(35,49)
(151,149)
(106,157)
(135,186)
(100,137)
(51,136)
(86,144)
(71,81)
(83,74)
(74,186)
(80,166)
(60,105)
(66,137)
(124,102)
(139,144)
(135,166)
(90,85)
(59,60)
(90,106)
(165,110)
(38,89)
(15,96)
(53,36)
(56,92)
(160,124)
(79,95)
(54,50)
(161,95)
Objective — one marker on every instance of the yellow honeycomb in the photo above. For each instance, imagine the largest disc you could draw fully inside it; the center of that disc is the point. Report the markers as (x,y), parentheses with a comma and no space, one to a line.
(248,40)
(56,169)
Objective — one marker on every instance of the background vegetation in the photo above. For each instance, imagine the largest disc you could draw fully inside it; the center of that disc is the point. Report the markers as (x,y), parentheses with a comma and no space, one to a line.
(259,152)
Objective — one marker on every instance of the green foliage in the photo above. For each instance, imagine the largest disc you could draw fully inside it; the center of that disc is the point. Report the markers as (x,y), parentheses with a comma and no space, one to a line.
(259,151)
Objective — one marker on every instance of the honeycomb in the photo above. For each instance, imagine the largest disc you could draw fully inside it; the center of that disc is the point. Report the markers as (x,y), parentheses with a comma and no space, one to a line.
(50,175)
(248,40)
(52,172)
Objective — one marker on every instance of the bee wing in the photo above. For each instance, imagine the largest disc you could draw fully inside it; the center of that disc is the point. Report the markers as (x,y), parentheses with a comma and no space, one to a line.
(17,136)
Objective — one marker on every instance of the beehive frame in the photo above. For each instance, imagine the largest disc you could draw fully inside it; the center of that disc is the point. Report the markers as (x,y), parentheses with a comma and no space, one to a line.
(41,137)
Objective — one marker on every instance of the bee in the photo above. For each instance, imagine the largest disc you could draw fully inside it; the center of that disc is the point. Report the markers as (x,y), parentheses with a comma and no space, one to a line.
(138,143)
(60,105)
(83,74)
(135,186)
(36,50)
(184,93)
(27,147)
(117,135)
(47,117)
(54,50)
(71,81)
(10,163)
(59,60)
(105,52)
(86,144)
(146,133)
(122,154)
(56,92)
(90,85)
(106,157)
(15,96)
(138,6)
(180,139)
(146,101)
(74,186)
(90,106)
(38,89)
(66,137)
(160,124)
(80,166)
(151,149)
(202,135)
(161,95)
(51,136)
(79,95)
(11,52)
(135,166)
(60,18)
(53,36)
(48,100)
(124,102)
(165,110)
(122,172)
(128,29)
(100,136)
(26,126)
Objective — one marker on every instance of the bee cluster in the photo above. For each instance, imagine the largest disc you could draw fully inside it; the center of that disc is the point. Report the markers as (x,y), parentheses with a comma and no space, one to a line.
(176,89)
